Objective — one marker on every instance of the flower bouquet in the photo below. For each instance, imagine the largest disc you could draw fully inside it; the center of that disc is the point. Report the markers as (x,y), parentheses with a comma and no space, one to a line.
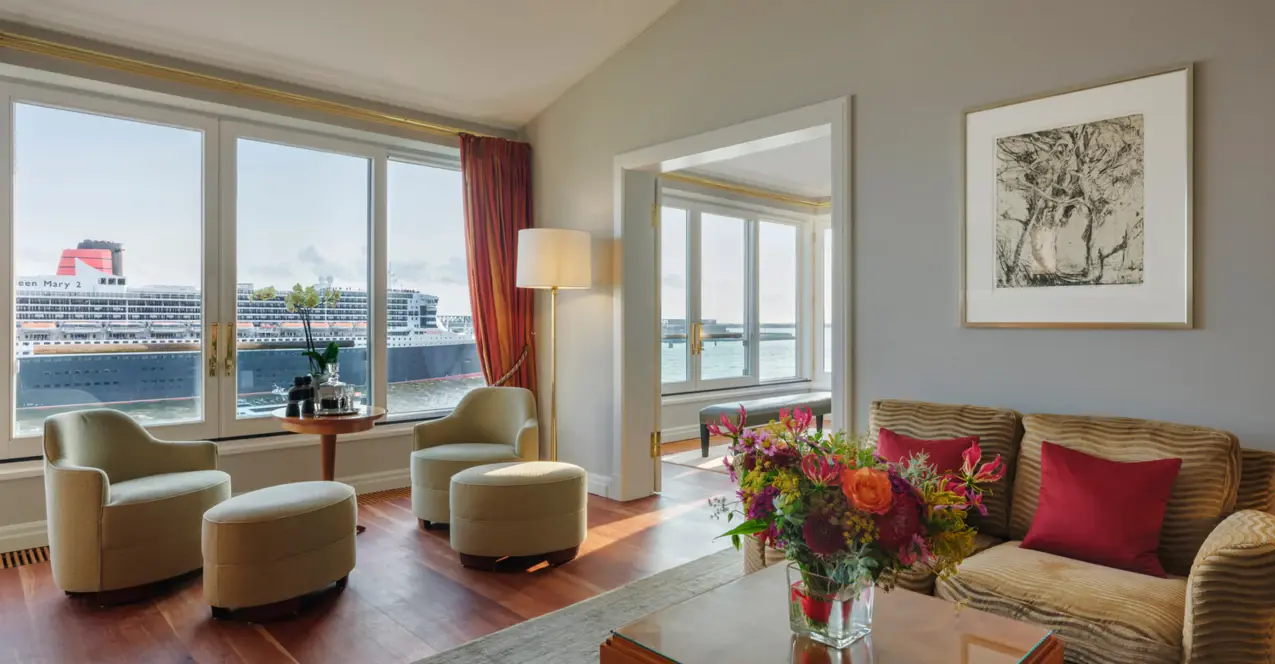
(846,520)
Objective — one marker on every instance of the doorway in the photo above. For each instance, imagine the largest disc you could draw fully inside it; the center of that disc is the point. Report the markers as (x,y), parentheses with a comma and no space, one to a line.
(750,278)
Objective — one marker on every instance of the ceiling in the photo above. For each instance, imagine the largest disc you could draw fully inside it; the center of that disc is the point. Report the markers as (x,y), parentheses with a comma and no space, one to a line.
(497,62)
(800,169)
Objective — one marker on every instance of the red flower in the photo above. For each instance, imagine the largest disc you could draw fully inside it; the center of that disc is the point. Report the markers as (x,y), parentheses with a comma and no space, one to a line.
(903,522)
(822,470)
(822,535)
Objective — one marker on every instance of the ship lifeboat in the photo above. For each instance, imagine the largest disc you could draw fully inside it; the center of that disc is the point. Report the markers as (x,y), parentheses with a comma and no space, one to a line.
(293,328)
(360,329)
(81,328)
(167,327)
(268,330)
(35,330)
(34,325)
(320,329)
(246,329)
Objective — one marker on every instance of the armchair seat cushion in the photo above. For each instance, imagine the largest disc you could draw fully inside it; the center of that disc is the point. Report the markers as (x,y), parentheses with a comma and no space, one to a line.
(433,468)
(151,526)
(1103,615)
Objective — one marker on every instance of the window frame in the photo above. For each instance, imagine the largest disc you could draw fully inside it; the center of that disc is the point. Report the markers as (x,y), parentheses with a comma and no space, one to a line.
(695,205)
(819,242)
(222,125)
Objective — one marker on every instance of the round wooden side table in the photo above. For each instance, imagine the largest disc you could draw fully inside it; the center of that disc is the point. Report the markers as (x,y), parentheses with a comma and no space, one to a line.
(328,427)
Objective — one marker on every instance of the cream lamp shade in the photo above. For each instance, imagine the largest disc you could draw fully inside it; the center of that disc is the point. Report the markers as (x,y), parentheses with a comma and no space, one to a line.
(554,258)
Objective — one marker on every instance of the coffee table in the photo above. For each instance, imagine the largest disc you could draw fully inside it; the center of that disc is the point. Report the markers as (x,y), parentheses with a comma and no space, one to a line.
(747,621)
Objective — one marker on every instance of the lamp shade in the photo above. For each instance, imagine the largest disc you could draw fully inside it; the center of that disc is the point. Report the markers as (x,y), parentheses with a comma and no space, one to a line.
(554,258)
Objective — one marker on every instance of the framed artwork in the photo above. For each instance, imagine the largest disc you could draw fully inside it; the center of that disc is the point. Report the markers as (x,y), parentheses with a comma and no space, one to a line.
(1077,207)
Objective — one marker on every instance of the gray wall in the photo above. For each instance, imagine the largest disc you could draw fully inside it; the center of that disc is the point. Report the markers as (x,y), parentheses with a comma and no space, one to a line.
(912,66)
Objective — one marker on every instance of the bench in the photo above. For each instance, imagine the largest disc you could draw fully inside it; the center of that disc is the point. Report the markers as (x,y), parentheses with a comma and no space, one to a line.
(763,411)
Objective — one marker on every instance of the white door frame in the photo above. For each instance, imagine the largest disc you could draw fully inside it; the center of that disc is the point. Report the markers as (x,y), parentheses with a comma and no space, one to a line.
(637,391)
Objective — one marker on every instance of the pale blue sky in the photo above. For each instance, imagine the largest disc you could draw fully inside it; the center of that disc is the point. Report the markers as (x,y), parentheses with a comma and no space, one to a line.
(302,214)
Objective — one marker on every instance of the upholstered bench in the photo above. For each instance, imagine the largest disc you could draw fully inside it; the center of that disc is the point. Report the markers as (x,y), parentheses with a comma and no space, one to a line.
(762,411)
(277,544)
(529,508)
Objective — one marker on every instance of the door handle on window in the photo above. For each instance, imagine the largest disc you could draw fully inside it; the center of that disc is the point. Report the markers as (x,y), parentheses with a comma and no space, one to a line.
(212,351)
(231,346)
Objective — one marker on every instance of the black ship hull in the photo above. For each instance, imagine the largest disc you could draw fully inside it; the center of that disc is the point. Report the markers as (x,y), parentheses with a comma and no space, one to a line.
(110,378)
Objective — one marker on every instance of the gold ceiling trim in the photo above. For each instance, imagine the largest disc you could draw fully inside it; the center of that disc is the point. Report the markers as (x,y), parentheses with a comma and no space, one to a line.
(746,191)
(121,63)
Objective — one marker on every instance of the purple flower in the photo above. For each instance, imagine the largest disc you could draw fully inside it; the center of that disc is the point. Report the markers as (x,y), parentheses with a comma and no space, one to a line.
(763,504)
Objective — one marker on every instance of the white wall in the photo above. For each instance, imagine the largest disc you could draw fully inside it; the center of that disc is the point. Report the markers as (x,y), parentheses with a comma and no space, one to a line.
(912,66)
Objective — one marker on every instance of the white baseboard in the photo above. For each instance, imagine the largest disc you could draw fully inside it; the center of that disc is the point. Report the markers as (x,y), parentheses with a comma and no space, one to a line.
(23,536)
(679,433)
(382,481)
(599,484)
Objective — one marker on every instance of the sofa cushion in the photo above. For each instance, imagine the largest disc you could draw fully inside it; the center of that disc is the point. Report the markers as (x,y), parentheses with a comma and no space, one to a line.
(997,429)
(1103,512)
(944,454)
(1204,493)
(1103,615)
(922,580)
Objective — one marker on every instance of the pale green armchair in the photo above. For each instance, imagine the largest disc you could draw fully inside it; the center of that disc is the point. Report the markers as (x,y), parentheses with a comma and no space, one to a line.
(124,508)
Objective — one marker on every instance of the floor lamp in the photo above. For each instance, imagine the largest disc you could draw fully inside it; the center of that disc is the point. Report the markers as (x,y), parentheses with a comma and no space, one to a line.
(554,259)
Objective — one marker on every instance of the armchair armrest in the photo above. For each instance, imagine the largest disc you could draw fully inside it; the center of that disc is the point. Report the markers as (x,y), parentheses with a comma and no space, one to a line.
(74,499)
(183,456)
(528,441)
(1230,602)
(444,430)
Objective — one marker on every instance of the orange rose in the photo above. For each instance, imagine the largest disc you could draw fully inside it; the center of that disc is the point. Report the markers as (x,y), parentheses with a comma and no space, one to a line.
(867,489)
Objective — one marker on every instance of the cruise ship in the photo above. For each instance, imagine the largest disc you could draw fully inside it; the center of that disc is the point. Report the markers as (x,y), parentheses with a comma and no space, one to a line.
(85,335)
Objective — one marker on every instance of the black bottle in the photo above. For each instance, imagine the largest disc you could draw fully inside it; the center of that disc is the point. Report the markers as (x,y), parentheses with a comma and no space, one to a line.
(307,404)
(296,396)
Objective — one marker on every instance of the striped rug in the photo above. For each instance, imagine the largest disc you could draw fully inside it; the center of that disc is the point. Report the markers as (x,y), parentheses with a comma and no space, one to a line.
(10,559)
(385,496)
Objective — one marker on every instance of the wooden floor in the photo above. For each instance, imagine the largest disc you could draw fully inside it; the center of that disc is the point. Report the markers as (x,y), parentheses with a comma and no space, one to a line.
(407,599)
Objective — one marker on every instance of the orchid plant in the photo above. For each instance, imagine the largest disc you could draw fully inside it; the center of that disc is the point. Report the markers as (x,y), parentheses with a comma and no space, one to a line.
(304,302)
(843,514)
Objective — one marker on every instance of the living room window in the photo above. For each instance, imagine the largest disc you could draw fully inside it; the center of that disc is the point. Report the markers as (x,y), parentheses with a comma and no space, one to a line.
(733,303)
(145,235)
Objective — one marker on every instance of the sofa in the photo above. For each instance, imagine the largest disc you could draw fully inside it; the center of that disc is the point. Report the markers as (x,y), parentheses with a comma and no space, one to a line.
(1217,542)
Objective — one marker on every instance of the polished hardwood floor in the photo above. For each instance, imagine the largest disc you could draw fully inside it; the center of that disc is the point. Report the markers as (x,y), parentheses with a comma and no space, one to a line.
(408,597)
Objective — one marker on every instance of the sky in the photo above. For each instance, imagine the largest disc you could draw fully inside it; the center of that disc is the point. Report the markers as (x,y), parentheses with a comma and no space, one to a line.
(302,214)
(723,272)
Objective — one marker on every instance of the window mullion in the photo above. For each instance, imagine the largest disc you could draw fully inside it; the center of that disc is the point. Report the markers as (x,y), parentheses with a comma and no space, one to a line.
(378,281)
(753,278)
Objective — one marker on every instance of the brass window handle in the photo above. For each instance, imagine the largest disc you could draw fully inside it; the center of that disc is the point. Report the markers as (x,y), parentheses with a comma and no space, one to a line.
(231,349)
(212,351)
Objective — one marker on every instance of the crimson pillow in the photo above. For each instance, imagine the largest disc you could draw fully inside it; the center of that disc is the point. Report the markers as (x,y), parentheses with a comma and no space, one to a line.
(945,455)
(1100,511)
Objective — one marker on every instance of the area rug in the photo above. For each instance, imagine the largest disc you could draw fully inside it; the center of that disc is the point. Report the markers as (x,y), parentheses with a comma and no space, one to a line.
(574,634)
(692,458)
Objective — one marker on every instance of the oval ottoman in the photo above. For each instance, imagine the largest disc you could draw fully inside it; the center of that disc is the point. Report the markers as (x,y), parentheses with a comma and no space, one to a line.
(527,508)
(277,544)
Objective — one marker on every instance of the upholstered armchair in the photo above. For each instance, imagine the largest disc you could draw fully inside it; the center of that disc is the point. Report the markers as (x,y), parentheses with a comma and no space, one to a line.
(124,509)
(489,425)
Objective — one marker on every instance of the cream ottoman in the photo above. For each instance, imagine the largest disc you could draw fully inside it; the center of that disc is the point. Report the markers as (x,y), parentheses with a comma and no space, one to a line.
(278,544)
(432,470)
(528,508)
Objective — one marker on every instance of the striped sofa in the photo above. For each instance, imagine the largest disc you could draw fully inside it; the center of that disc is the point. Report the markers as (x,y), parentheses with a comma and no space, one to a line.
(1217,542)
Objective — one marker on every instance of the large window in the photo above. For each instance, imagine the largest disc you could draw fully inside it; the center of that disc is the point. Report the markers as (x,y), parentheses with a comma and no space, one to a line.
(732,316)
(145,237)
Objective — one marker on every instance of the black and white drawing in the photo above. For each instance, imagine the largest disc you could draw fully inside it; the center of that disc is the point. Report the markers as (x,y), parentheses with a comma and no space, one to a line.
(1070,207)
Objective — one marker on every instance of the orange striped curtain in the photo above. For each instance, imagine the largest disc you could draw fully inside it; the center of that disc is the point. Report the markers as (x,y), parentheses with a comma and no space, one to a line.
(497,175)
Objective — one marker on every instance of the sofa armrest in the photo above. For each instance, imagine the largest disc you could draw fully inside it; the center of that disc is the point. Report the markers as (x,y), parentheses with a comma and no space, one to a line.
(527,444)
(1230,601)
(184,456)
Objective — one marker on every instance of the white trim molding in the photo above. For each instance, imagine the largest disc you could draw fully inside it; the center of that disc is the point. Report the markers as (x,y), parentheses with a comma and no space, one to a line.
(599,485)
(674,434)
(382,481)
(23,536)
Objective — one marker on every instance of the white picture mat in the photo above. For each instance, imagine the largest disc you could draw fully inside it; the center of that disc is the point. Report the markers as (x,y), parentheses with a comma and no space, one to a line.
(1164,296)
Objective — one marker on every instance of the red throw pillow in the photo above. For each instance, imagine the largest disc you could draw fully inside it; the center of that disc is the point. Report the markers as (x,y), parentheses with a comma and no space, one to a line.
(945,455)
(1100,511)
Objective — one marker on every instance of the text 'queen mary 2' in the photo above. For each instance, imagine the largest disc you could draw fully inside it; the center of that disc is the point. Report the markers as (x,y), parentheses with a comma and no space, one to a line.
(85,335)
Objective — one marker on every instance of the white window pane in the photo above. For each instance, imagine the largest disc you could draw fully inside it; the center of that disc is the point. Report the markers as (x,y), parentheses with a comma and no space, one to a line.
(432,360)
(777,281)
(673,362)
(723,296)
(827,300)
(89,190)
(302,218)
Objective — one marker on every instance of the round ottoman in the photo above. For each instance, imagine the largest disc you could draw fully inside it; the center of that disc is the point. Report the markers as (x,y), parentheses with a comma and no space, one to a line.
(277,544)
(432,470)
(528,508)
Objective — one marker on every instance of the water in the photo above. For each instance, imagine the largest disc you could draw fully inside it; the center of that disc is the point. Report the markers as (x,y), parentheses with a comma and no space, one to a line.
(413,397)
(729,359)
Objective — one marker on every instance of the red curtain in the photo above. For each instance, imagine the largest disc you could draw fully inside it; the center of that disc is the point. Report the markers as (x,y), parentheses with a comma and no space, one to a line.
(497,176)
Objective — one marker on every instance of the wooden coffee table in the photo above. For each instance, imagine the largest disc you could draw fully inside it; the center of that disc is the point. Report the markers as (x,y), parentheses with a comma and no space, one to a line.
(327,427)
(747,621)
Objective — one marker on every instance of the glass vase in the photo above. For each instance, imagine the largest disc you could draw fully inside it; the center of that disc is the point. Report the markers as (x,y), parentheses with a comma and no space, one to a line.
(333,395)
(823,610)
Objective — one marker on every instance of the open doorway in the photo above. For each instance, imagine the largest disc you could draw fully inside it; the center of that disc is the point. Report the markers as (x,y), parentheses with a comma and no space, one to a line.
(745,249)
(753,223)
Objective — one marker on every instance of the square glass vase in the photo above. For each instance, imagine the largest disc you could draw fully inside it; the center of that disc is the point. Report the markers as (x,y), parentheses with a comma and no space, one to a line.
(828,612)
